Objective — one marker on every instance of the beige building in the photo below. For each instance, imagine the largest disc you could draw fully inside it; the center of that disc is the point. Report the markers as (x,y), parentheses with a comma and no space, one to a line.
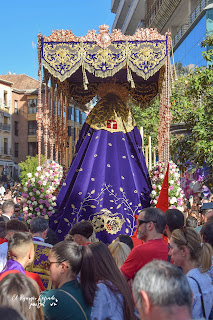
(6,158)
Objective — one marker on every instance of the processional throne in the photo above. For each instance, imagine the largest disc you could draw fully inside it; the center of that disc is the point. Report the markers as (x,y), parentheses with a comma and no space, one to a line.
(108,182)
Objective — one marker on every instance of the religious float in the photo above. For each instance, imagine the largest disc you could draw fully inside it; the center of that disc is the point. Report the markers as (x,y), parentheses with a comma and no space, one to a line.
(108,182)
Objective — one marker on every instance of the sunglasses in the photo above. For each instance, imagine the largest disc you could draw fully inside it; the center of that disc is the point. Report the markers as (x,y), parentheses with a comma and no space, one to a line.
(48,264)
(145,221)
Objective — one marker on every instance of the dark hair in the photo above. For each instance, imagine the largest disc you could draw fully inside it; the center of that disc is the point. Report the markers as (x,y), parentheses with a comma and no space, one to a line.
(7,206)
(15,285)
(174,219)
(38,225)
(2,229)
(8,313)
(51,237)
(16,225)
(98,261)
(207,232)
(126,239)
(73,253)
(191,222)
(155,214)
(83,228)
(18,238)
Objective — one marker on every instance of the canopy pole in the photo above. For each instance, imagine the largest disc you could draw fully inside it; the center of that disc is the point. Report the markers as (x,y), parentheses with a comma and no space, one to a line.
(39,114)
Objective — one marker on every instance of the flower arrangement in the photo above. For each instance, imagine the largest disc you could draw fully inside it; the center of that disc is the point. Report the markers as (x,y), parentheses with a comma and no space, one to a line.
(38,192)
(176,194)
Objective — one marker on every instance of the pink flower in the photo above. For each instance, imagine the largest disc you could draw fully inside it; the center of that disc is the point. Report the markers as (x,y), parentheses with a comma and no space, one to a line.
(173,207)
(171,187)
(154,186)
(40,201)
(34,189)
(32,199)
(46,196)
(30,205)
(37,209)
(40,182)
(42,189)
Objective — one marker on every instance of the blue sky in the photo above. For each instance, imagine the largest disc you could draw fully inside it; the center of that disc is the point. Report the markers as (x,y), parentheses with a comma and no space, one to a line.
(22,20)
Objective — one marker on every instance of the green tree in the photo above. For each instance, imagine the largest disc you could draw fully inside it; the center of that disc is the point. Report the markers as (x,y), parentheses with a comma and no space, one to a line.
(29,166)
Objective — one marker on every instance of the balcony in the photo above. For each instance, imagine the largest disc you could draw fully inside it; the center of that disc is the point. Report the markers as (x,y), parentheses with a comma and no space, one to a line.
(6,127)
(6,151)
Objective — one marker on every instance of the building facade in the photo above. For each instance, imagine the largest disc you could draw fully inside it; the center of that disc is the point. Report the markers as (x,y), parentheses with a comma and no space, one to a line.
(189,22)
(6,158)
(18,115)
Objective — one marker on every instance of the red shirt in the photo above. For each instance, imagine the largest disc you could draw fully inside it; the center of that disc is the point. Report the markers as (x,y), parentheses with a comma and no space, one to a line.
(141,255)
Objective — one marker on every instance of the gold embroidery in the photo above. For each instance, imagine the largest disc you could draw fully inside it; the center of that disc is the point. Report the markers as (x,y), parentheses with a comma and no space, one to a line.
(106,220)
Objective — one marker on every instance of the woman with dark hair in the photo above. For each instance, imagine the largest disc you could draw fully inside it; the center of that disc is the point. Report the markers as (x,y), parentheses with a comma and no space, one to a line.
(113,299)
(69,300)
(195,259)
(21,293)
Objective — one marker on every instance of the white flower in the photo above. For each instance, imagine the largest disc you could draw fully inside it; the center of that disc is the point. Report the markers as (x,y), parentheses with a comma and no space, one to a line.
(32,184)
(153,192)
(30,194)
(44,183)
(161,176)
(34,203)
(53,198)
(38,213)
(25,209)
(31,208)
(29,175)
(53,211)
(180,208)
(48,191)
(159,187)
(24,199)
(33,180)
(42,177)
(50,208)
(46,216)
(41,206)
(155,201)
(25,189)
(38,192)
(30,213)
(38,168)
(41,195)
(28,201)
(171,182)
(36,174)
(173,200)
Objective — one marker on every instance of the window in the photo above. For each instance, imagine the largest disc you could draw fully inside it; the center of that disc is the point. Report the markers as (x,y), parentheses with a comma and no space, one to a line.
(16,128)
(32,127)
(16,107)
(5,98)
(71,132)
(76,115)
(5,145)
(32,105)
(16,149)
(32,148)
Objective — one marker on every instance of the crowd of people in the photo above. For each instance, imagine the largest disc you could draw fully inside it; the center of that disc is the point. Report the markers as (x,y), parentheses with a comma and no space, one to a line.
(166,273)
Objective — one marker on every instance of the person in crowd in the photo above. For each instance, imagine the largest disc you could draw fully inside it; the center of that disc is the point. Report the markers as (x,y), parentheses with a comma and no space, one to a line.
(191,222)
(206,211)
(73,301)
(174,220)
(113,298)
(2,232)
(161,291)
(12,226)
(195,259)
(8,313)
(22,294)
(150,226)
(7,210)
(39,229)
(125,239)
(21,250)
(119,251)
(81,232)
(207,237)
